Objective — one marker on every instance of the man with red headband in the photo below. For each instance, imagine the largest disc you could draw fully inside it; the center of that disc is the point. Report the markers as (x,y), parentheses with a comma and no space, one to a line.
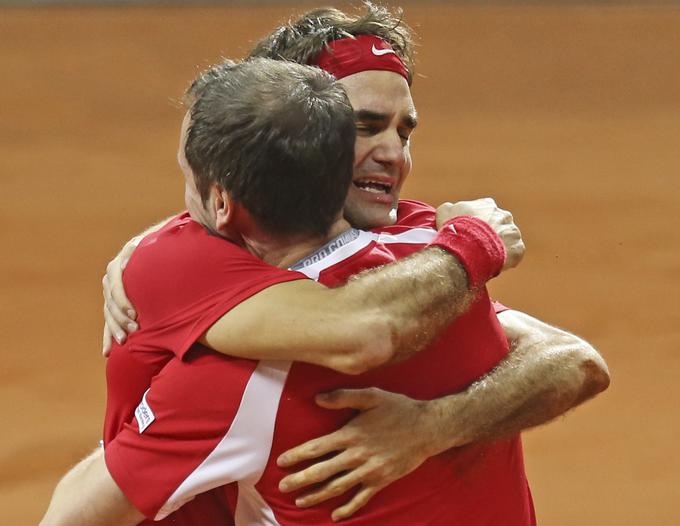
(247,136)
(370,60)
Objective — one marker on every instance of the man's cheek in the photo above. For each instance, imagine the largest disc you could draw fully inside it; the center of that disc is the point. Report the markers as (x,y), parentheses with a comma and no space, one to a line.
(361,149)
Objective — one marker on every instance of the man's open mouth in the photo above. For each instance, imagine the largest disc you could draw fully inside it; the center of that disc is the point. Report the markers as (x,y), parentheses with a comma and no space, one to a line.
(376,187)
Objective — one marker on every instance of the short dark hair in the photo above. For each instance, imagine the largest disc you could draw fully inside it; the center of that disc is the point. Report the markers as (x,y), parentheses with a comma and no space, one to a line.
(303,39)
(278,136)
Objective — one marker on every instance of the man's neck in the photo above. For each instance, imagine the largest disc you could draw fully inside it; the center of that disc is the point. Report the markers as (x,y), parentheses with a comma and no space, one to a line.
(284,252)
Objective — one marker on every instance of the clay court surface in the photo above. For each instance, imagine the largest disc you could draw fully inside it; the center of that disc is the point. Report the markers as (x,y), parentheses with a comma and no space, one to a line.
(569,116)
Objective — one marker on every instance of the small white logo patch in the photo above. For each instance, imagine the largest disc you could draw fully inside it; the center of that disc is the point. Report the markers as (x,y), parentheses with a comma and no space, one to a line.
(379,52)
(144,414)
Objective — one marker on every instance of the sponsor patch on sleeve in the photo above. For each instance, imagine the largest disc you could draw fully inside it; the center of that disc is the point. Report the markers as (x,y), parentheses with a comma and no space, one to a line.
(144,414)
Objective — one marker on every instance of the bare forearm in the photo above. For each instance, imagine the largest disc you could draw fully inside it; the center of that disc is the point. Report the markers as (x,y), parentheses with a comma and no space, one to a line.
(418,295)
(424,293)
(547,372)
(381,316)
(378,317)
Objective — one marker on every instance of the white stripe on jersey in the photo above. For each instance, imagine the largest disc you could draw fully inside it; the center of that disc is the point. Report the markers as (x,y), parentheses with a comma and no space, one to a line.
(244,451)
(412,236)
(312,271)
(252,509)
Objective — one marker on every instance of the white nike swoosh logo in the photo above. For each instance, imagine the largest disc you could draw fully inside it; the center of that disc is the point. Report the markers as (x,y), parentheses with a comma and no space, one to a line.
(379,52)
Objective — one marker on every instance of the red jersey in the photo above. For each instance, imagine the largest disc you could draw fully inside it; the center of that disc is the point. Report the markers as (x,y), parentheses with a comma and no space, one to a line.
(182,279)
(210,420)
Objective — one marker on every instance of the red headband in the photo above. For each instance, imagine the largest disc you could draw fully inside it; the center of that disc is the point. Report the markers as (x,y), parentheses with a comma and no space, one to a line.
(346,56)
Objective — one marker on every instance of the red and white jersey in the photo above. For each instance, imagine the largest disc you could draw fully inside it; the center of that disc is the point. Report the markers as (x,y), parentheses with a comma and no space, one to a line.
(209,420)
(182,279)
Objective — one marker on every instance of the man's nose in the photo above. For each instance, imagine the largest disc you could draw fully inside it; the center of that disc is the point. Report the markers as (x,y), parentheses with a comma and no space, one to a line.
(390,149)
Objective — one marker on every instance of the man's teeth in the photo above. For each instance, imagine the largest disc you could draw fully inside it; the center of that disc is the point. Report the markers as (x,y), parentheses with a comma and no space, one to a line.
(374,187)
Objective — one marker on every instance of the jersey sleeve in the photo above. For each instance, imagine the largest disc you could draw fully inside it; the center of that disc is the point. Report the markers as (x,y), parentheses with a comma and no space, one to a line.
(205,421)
(182,279)
(415,214)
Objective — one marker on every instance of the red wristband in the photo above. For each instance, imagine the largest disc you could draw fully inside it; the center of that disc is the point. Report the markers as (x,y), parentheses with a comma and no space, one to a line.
(478,248)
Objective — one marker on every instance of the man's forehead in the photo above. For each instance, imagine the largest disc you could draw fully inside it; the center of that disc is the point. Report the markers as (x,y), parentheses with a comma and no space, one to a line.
(379,92)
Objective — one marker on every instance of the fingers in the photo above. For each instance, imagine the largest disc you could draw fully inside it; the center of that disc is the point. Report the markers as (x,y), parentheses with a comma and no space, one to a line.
(320,472)
(114,277)
(119,323)
(361,399)
(358,501)
(113,326)
(106,342)
(119,314)
(499,219)
(445,211)
(514,245)
(504,224)
(515,254)
(127,251)
(483,209)
(313,449)
(335,487)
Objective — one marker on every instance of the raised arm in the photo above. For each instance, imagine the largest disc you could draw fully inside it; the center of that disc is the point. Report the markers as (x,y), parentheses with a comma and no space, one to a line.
(88,496)
(547,372)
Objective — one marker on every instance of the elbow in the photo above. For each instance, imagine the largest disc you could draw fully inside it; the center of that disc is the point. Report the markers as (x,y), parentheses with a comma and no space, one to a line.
(597,374)
(594,371)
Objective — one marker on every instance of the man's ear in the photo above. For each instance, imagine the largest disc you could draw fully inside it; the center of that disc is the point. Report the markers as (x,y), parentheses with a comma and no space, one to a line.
(224,208)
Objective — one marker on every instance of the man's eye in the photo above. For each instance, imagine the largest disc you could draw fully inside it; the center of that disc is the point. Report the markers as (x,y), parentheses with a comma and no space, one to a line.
(367,129)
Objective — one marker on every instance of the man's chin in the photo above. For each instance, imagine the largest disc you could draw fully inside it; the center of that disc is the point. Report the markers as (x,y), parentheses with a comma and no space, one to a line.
(371,216)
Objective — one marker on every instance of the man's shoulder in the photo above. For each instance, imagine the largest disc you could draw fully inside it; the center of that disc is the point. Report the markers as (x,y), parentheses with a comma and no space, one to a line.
(415,214)
(182,233)
(415,227)
(185,269)
(183,245)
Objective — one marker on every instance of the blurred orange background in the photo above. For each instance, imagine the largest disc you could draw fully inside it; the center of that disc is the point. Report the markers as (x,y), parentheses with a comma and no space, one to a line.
(569,116)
